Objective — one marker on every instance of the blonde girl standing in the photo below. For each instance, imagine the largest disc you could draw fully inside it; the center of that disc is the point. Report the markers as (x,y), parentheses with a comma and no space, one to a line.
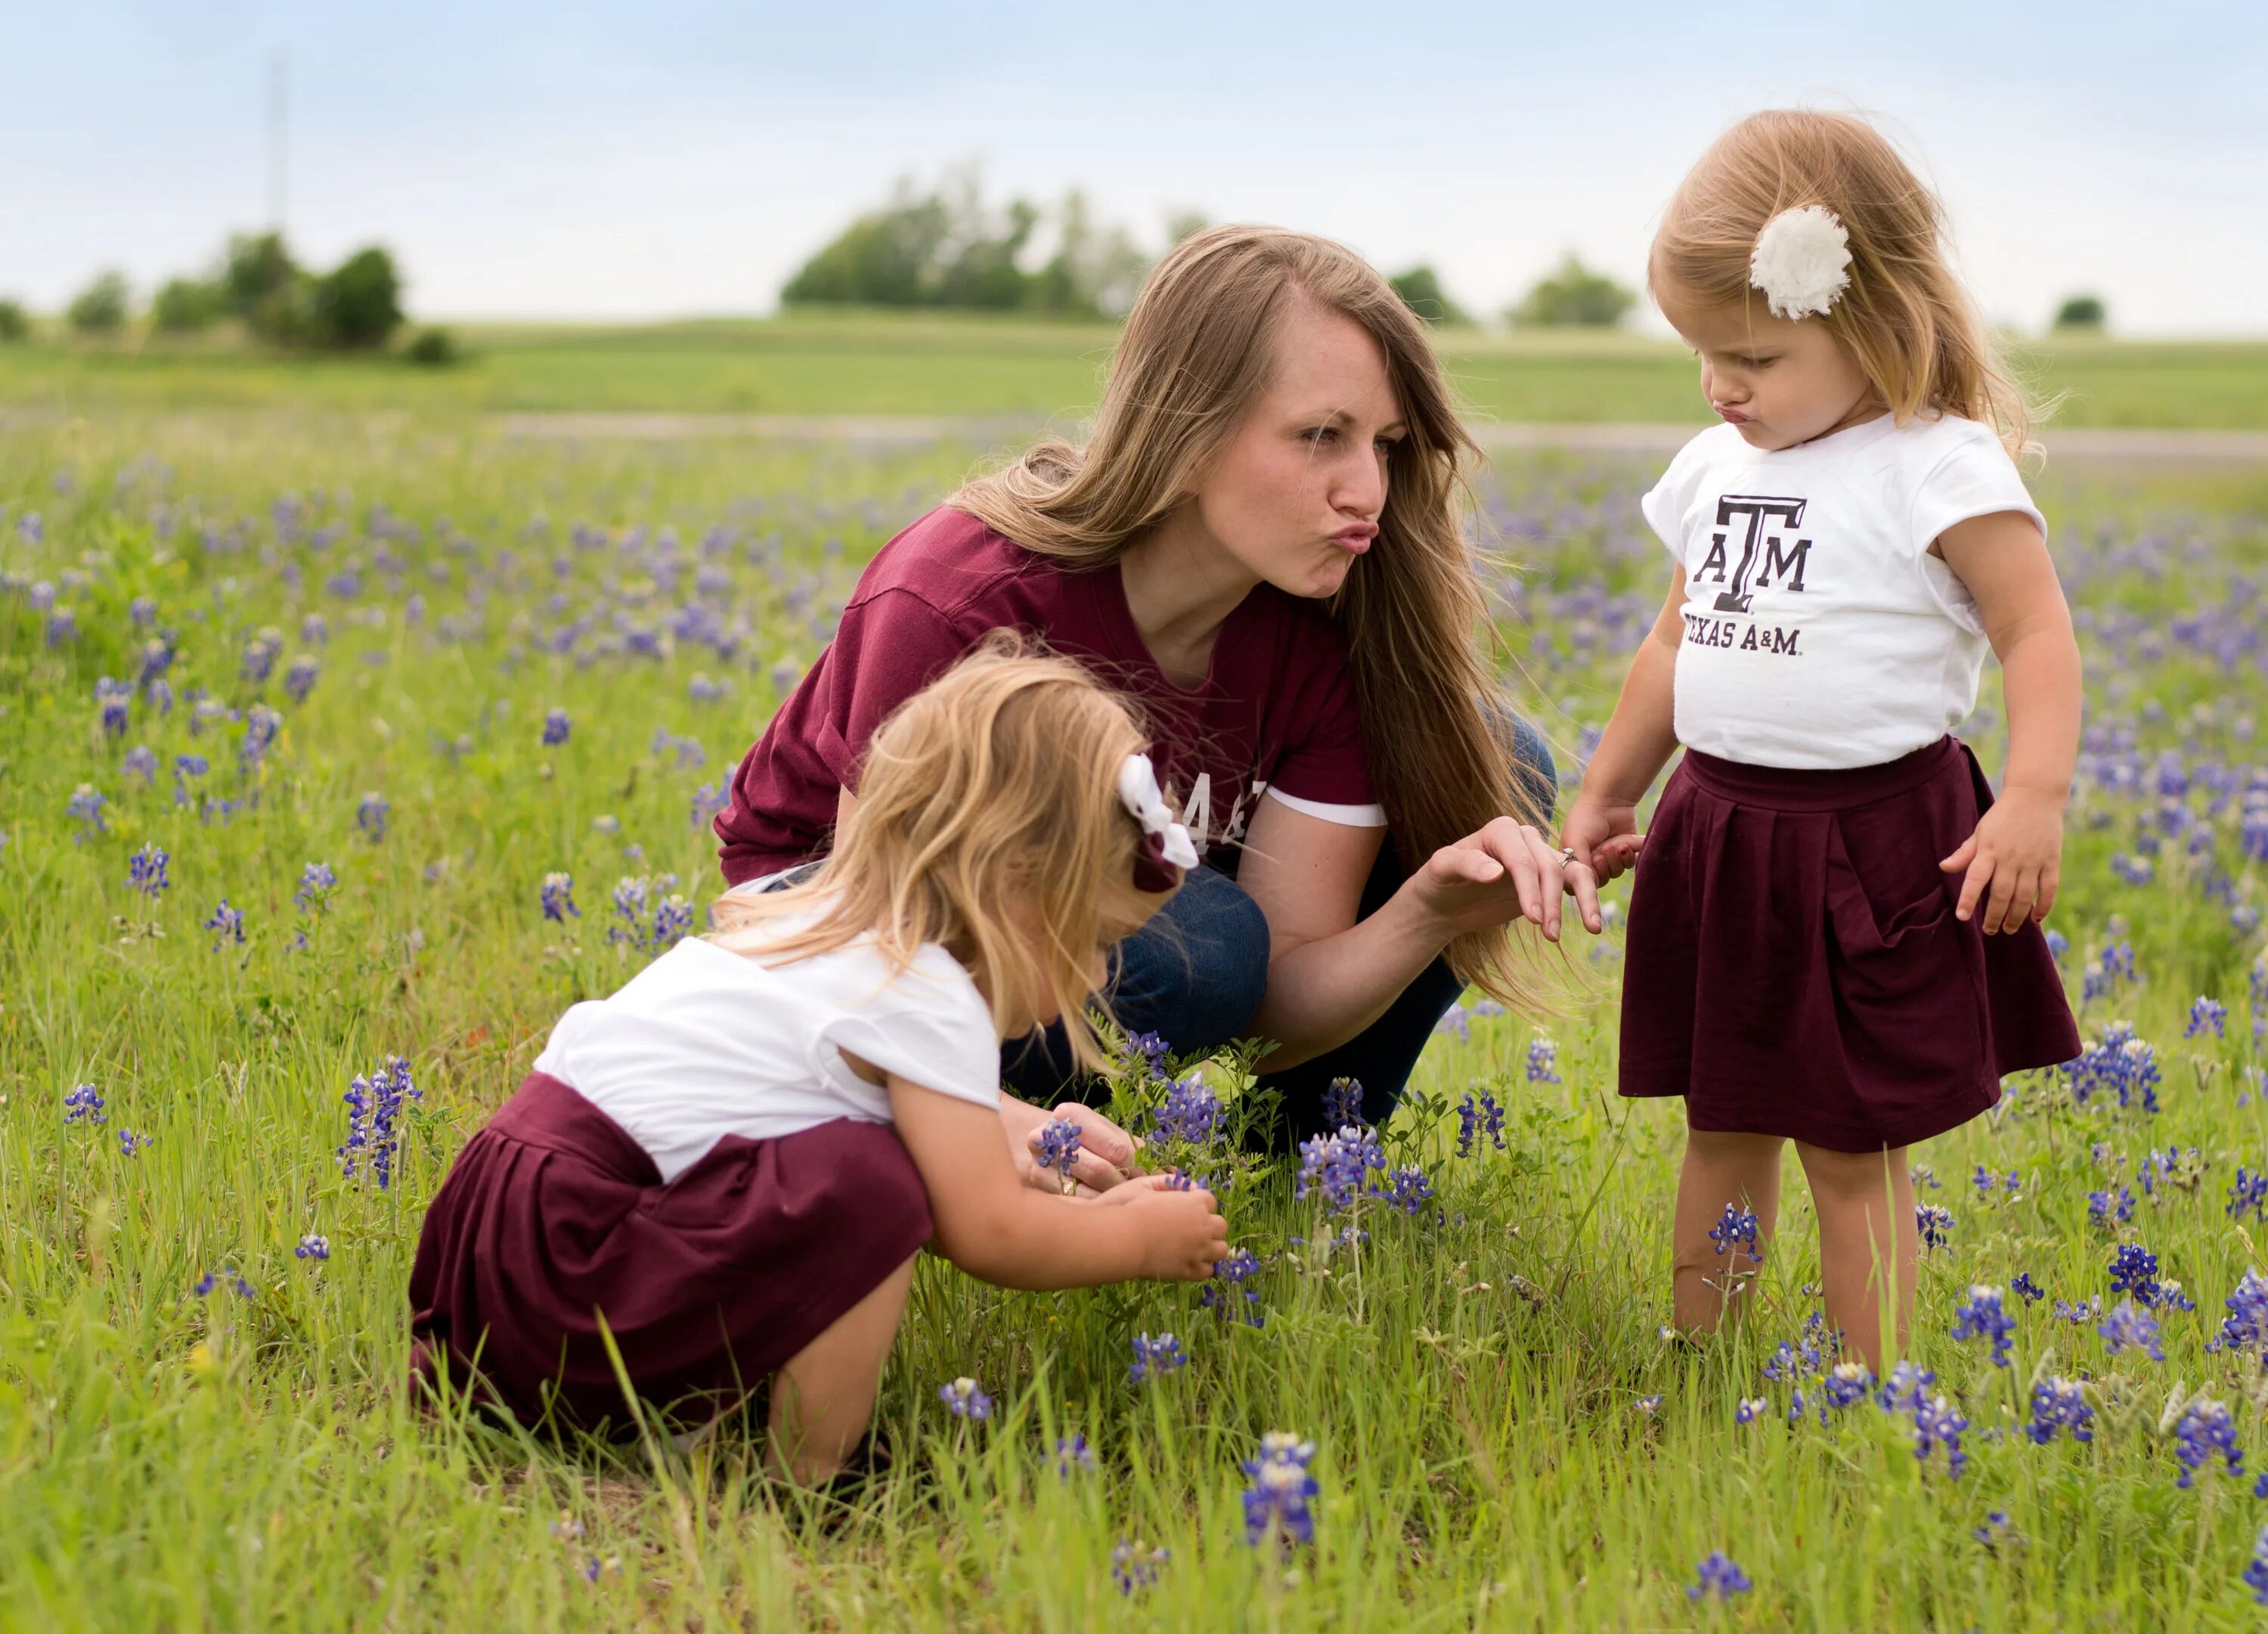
(724,1170)
(1834,934)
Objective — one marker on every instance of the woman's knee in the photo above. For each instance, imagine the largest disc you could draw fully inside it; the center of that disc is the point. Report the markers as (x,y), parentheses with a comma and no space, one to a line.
(1196,974)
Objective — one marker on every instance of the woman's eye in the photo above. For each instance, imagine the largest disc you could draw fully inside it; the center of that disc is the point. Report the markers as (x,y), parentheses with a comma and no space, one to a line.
(1322,434)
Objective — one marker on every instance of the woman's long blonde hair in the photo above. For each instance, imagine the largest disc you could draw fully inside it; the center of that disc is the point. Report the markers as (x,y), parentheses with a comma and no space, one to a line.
(989,821)
(1905,320)
(1196,353)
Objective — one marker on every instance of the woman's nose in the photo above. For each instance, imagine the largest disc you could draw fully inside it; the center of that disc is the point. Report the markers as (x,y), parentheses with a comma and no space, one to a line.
(1361,488)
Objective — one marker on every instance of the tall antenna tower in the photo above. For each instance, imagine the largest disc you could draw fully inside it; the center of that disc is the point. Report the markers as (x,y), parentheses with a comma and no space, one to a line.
(278,116)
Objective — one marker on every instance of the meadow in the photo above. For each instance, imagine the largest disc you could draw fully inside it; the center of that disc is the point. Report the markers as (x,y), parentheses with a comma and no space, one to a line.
(300,716)
(848,363)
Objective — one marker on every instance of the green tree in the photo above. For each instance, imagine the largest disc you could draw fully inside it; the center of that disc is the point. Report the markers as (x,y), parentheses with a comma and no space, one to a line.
(15,322)
(1574,295)
(100,308)
(357,303)
(183,304)
(1420,290)
(267,289)
(2082,311)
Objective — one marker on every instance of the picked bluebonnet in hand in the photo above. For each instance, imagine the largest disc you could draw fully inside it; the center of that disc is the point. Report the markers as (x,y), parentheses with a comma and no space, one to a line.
(1154,1359)
(1056,1148)
(1718,1579)
(1276,1503)
(963,1400)
(1982,1317)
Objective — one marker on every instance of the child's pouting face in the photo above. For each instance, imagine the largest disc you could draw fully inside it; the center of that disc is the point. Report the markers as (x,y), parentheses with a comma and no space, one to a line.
(1780,381)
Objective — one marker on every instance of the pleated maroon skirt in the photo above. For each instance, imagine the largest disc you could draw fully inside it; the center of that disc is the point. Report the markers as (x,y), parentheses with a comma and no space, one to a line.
(552,1216)
(1794,966)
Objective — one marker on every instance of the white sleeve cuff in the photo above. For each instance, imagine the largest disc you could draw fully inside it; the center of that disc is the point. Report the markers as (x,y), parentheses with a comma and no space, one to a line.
(1346,816)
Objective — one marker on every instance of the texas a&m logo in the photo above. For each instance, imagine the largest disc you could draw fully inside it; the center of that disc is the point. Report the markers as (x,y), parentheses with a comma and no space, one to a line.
(1778,558)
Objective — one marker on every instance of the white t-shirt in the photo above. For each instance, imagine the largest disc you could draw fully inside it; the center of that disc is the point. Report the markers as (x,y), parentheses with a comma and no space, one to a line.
(705,1043)
(1819,630)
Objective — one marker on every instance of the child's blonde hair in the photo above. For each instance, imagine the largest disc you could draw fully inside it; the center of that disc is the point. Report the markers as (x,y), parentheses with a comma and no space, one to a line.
(1905,320)
(989,821)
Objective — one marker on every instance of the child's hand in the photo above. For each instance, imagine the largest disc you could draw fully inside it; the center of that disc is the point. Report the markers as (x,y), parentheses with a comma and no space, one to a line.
(1606,837)
(1183,1233)
(2018,851)
(1105,1158)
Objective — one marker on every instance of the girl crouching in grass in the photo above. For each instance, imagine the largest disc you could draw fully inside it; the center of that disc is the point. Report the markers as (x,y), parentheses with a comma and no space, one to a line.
(725,1168)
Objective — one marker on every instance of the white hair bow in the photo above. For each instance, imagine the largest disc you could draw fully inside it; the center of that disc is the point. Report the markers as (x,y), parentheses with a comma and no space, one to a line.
(1801,262)
(1166,850)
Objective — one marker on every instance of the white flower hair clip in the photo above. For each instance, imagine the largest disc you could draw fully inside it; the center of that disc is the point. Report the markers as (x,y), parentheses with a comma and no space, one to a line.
(1167,851)
(1801,262)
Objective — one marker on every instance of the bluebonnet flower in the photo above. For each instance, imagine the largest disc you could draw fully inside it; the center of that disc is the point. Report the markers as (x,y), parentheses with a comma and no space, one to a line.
(142,612)
(1151,1050)
(226,923)
(2132,870)
(2255,1570)
(2026,1289)
(2058,945)
(141,762)
(1846,1382)
(1469,1123)
(1737,1227)
(2134,1270)
(1455,1022)
(86,808)
(1338,1165)
(709,799)
(1935,1224)
(212,1279)
(130,1144)
(1907,1389)
(1475,1116)
(1190,1113)
(2204,1014)
(1938,1423)
(316,883)
(1647,1406)
(1748,1411)
(2117,1062)
(312,1246)
(558,897)
(1073,1455)
(371,816)
(672,921)
(2080,1312)
(1996,1531)
(299,680)
(1982,1317)
(2248,1193)
(1718,1579)
(2129,1327)
(1342,1104)
(186,767)
(2113,965)
(1232,1279)
(258,661)
(1154,1359)
(260,726)
(963,1400)
(374,1106)
(2059,1405)
(2108,1209)
(2205,1428)
(1921,1174)
(1058,1147)
(2245,1329)
(1407,1189)
(1543,1061)
(145,872)
(556,728)
(1134,1566)
(83,1105)
(62,626)
(315,630)
(1276,1503)
(115,701)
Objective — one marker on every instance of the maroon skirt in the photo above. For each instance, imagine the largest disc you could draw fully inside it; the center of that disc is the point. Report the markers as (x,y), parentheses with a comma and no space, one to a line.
(552,1216)
(1794,966)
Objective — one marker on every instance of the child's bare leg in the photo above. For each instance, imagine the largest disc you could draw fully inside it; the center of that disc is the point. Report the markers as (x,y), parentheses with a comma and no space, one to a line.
(823,1397)
(1869,1247)
(1742,1170)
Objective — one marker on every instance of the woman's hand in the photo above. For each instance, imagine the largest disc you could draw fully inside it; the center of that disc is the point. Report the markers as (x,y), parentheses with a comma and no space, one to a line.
(1507,871)
(1606,835)
(1106,1157)
(2017,851)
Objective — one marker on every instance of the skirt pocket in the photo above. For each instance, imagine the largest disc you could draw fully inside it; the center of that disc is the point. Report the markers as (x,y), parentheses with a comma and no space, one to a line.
(1908,977)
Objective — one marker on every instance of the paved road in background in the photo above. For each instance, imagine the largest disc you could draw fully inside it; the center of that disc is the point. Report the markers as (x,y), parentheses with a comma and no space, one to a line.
(2089,445)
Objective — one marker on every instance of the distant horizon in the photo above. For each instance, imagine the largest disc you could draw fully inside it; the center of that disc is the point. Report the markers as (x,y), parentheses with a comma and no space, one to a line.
(561,164)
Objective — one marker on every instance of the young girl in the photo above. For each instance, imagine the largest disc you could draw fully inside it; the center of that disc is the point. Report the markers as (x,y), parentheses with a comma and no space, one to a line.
(725,1168)
(1833,935)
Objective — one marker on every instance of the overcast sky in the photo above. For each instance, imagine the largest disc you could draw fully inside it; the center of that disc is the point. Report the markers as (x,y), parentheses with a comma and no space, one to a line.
(675,157)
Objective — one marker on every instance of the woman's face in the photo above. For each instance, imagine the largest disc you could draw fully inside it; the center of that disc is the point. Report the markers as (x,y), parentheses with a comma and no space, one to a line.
(1296,495)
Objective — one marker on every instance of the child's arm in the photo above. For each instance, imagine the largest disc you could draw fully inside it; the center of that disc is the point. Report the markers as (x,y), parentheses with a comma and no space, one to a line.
(2018,848)
(1603,826)
(1002,1232)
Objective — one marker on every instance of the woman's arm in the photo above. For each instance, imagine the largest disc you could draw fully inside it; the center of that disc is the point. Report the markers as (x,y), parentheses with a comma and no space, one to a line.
(2017,850)
(1639,738)
(1004,1233)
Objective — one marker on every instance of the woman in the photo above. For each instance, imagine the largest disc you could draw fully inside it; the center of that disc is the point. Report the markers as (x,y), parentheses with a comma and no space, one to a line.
(1260,546)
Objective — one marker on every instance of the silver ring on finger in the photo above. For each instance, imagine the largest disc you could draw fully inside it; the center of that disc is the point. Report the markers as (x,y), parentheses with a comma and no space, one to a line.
(1566,857)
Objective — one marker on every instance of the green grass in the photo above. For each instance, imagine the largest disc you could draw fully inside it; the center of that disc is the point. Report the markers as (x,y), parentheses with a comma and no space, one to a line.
(1472,1380)
(881,363)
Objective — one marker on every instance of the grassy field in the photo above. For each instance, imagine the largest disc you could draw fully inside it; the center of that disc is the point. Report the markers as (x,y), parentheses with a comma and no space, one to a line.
(883,364)
(361,629)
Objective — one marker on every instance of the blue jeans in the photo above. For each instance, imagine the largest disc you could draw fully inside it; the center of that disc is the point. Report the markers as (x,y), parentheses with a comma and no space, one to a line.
(1195,975)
